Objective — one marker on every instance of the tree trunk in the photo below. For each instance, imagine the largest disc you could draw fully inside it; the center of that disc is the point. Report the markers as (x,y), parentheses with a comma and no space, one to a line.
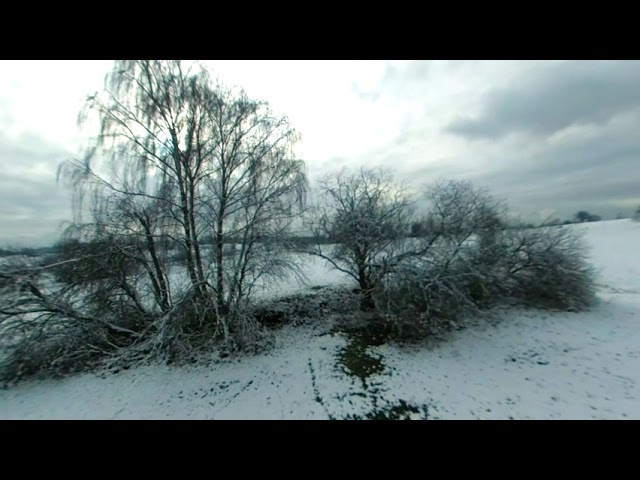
(188,215)
(366,290)
(194,236)
(188,244)
(219,264)
(161,284)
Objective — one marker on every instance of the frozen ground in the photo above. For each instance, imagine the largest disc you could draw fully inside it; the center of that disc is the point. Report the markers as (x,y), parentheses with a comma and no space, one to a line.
(516,364)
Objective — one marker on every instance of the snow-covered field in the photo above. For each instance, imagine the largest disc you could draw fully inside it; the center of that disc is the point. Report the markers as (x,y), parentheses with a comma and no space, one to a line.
(515,363)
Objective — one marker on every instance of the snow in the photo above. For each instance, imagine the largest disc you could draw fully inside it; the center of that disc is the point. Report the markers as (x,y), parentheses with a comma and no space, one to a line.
(530,366)
(317,272)
(270,386)
(515,363)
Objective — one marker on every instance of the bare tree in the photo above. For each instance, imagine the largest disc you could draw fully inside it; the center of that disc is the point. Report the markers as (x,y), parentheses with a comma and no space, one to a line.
(364,216)
(178,157)
(188,158)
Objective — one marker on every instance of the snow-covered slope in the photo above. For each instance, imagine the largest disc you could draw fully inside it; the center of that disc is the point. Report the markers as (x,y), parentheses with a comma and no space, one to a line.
(517,364)
(615,251)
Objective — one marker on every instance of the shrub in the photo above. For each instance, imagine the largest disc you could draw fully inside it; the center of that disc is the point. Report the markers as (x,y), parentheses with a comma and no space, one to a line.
(548,267)
(85,262)
(420,300)
(478,266)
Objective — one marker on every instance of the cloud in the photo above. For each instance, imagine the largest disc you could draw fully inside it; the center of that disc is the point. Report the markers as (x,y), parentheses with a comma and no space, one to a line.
(32,205)
(590,168)
(554,97)
(541,149)
(547,135)
(5,116)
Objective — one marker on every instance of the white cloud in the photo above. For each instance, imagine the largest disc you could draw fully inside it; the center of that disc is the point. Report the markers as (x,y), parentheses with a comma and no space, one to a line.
(394,114)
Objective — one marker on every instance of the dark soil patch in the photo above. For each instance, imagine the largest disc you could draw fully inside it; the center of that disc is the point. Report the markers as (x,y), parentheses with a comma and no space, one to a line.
(400,411)
(271,318)
(355,358)
(356,361)
(316,304)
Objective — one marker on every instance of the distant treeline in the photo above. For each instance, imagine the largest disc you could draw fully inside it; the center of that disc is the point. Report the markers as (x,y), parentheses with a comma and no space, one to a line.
(28,252)
(58,247)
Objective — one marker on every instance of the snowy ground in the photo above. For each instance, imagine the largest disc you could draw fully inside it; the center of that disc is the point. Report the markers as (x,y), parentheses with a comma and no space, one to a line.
(515,364)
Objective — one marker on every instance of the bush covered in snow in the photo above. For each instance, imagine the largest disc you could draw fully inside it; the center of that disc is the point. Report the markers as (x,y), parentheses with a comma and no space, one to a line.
(473,262)
(547,267)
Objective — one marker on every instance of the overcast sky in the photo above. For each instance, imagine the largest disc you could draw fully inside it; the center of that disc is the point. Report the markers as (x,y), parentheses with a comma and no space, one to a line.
(552,137)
